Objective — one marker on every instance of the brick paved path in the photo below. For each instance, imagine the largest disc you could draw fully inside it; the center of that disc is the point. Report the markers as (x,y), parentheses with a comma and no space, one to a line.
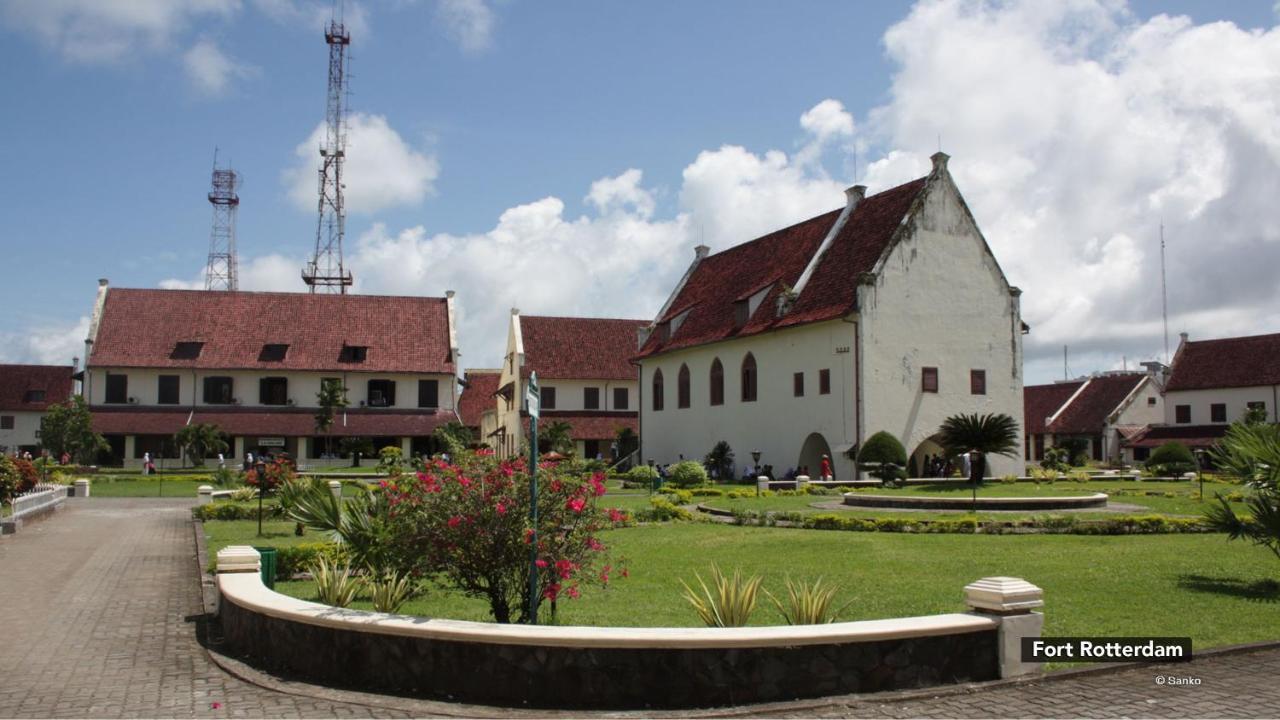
(95,621)
(97,609)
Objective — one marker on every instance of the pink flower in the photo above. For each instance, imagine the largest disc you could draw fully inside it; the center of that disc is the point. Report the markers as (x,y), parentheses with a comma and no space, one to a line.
(552,591)
(617,515)
(528,536)
(625,573)
(564,568)
(595,544)
(573,592)
(502,509)
(576,504)
(540,563)
(455,521)
(556,486)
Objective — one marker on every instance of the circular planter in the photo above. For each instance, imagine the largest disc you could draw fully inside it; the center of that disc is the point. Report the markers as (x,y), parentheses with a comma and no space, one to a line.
(917,502)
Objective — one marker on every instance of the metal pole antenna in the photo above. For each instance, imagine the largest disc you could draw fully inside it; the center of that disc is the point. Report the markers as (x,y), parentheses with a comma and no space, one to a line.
(326,270)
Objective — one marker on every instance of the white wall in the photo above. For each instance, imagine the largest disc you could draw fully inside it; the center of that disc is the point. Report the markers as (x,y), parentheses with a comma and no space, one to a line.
(26,425)
(1236,400)
(940,301)
(777,423)
(571,395)
(144,385)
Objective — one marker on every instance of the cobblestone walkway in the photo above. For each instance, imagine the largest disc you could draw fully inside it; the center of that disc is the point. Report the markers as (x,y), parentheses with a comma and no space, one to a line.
(98,609)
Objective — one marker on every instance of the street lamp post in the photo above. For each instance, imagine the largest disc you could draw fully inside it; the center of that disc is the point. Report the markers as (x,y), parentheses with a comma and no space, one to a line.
(755,458)
(533,402)
(1200,470)
(261,469)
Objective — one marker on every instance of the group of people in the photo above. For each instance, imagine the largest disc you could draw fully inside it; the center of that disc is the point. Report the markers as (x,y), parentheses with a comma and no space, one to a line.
(936,466)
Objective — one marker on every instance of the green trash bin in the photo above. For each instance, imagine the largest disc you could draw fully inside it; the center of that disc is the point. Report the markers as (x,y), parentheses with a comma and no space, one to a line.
(268,566)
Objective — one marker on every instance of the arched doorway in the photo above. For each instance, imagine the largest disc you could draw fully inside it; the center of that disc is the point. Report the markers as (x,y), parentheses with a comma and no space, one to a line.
(815,446)
(916,466)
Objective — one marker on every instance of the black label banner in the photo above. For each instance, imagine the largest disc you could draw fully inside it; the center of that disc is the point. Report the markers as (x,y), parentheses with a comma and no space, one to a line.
(1106,649)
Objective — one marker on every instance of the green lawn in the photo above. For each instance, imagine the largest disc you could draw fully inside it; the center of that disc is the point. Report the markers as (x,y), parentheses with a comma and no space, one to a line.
(1170,585)
(149,486)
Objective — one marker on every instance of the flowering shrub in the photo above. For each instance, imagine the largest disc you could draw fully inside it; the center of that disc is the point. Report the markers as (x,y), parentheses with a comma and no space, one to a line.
(277,473)
(28,476)
(9,479)
(469,522)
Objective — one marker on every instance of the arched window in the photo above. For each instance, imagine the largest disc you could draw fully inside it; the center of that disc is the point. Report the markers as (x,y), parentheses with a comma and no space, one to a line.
(657,390)
(717,382)
(749,378)
(682,387)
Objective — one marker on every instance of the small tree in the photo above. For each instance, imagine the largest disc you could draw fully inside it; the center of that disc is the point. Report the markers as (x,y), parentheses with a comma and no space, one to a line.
(453,436)
(331,398)
(391,460)
(1077,450)
(883,457)
(719,462)
(1056,458)
(356,448)
(987,434)
(556,436)
(642,475)
(198,440)
(1171,458)
(9,479)
(68,428)
(688,473)
(275,474)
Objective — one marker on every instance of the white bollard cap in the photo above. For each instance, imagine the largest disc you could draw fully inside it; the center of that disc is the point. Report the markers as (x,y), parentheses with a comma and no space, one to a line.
(81,482)
(238,558)
(1003,595)
(204,490)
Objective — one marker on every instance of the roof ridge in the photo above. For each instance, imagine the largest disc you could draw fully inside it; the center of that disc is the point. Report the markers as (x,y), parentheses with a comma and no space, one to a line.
(284,293)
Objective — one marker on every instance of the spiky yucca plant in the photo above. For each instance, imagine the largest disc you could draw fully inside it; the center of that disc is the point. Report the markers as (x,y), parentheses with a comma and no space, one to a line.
(808,604)
(390,592)
(335,585)
(732,602)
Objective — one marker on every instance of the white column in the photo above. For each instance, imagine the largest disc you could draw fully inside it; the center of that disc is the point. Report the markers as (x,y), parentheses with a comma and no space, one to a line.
(335,487)
(204,494)
(82,487)
(130,443)
(239,559)
(762,482)
(1010,601)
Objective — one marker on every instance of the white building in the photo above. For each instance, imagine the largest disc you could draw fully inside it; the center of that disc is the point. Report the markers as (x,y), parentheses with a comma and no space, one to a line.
(26,391)
(585,379)
(253,363)
(1213,383)
(1103,411)
(888,314)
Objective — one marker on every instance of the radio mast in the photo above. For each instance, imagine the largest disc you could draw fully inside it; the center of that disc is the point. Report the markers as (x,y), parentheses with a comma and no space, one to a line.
(325,272)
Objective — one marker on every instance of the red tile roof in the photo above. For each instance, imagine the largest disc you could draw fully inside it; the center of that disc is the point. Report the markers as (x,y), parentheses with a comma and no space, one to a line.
(1229,362)
(17,380)
(569,348)
(1041,401)
(298,423)
(1201,436)
(588,425)
(780,258)
(1087,413)
(140,328)
(477,396)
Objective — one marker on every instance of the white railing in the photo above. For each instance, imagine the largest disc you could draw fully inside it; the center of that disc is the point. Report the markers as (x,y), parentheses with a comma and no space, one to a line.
(41,496)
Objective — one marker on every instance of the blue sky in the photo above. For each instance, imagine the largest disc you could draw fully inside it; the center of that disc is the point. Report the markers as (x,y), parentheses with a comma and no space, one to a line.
(485,124)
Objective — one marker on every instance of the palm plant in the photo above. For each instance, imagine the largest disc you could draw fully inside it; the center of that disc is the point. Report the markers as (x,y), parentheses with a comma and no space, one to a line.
(558,437)
(198,440)
(987,434)
(390,592)
(808,604)
(732,602)
(336,586)
(331,398)
(719,462)
(1252,453)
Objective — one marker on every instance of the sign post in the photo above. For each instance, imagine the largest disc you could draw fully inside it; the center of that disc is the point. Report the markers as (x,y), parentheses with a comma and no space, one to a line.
(532,402)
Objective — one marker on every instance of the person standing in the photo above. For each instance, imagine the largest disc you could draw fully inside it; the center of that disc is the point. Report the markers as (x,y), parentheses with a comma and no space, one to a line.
(825,469)
(146,463)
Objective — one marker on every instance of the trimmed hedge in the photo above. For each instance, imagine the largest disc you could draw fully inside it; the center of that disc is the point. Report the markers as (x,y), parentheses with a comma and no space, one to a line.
(1123,525)
(295,559)
(223,510)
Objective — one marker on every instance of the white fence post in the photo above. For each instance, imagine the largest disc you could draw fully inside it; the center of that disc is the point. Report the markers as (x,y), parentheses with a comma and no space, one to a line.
(1011,602)
(205,494)
(82,487)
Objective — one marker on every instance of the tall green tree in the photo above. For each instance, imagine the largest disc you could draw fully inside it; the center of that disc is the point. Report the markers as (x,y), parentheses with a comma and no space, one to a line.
(331,398)
(557,436)
(454,437)
(68,427)
(199,440)
(995,433)
(719,462)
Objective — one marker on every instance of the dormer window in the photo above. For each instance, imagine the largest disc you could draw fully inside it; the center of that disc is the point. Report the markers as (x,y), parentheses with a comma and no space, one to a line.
(186,350)
(664,331)
(741,313)
(33,396)
(353,353)
(273,352)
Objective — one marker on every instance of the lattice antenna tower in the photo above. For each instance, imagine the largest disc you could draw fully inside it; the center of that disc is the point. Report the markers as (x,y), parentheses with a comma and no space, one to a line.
(325,272)
(222,272)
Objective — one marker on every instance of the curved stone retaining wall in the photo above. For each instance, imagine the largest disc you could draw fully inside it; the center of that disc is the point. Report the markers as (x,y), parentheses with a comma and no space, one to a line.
(605,668)
(919,502)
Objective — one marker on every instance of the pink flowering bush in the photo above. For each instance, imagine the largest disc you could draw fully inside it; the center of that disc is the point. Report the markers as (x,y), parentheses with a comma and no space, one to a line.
(468,523)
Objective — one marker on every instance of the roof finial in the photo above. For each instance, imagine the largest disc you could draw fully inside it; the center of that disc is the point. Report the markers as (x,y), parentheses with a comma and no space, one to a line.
(939,162)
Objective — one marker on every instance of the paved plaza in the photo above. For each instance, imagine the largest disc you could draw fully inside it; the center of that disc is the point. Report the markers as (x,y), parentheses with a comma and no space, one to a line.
(102,619)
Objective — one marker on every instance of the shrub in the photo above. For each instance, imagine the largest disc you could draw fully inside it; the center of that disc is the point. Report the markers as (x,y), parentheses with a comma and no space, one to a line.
(1044,474)
(884,458)
(389,593)
(676,495)
(1009,479)
(28,476)
(719,462)
(706,492)
(1172,458)
(732,602)
(244,494)
(225,477)
(335,584)
(391,460)
(276,473)
(1056,458)
(808,604)
(645,475)
(294,559)
(1080,476)
(9,479)
(661,510)
(235,511)
(688,473)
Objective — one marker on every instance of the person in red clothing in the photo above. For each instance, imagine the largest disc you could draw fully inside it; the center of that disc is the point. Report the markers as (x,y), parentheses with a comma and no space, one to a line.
(825,468)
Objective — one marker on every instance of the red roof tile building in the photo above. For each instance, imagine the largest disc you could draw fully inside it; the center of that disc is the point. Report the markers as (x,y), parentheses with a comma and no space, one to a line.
(585,379)
(476,408)
(1102,411)
(26,391)
(1213,383)
(889,314)
(253,364)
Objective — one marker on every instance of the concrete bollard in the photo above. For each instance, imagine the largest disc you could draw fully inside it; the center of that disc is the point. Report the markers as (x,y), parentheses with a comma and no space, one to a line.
(802,482)
(1011,602)
(762,483)
(335,487)
(82,487)
(238,559)
(205,494)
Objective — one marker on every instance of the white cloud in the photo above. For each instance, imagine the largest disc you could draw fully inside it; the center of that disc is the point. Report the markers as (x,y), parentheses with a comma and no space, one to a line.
(381,169)
(1075,130)
(622,193)
(314,15)
(46,344)
(91,31)
(211,71)
(827,120)
(468,22)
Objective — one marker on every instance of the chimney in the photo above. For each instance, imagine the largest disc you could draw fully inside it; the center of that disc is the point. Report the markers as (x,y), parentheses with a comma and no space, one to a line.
(102,282)
(854,195)
(449,294)
(1183,337)
(939,162)
(515,311)
(701,251)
